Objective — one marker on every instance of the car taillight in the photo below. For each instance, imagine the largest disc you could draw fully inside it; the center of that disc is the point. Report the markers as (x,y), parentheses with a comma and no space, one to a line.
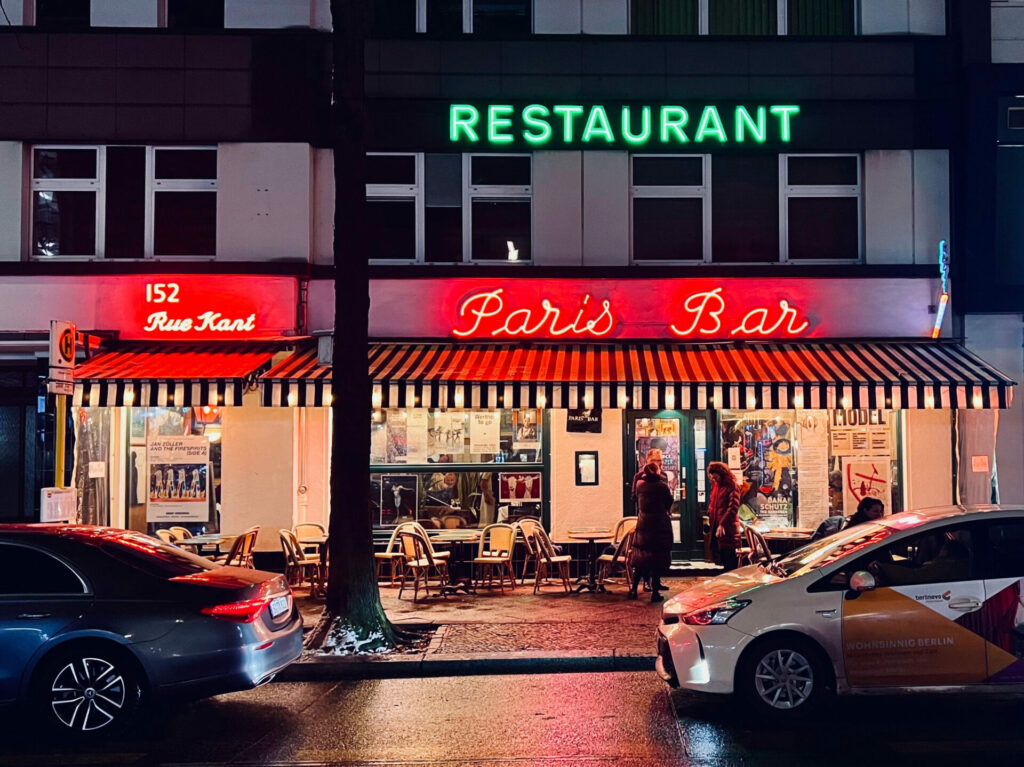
(246,611)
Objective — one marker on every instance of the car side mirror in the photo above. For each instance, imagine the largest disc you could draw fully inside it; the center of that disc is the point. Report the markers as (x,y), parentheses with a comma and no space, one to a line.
(862,581)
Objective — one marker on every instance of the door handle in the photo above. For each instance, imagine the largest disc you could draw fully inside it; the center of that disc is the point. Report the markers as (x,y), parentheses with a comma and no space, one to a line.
(826,613)
(964,604)
(32,616)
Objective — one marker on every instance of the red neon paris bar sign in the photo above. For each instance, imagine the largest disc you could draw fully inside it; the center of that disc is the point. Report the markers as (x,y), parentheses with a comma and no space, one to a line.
(682,309)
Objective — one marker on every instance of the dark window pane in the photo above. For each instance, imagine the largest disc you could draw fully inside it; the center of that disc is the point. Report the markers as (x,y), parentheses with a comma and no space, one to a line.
(444,17)
(745,209)
(820,17)
(195,14)
(64,163)
(1006,541)
(498,222)
(500,171)
(126,202)
(822,171)
(1015,118)
(62,14)
(29,571)
(742,17)
(392,227)
(937,556)
(668,171)
(391,169)
(444,179)
(64,224)
(823,227)
(668,229)
(185,224)
(664,17)
(443,235)
(501,17)
(393,17)
(185,164)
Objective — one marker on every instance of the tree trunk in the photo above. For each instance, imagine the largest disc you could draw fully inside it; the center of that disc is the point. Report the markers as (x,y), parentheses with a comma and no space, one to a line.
(354,619)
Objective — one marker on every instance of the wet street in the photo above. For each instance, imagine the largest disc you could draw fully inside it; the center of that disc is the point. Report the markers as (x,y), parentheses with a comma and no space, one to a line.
(627,719)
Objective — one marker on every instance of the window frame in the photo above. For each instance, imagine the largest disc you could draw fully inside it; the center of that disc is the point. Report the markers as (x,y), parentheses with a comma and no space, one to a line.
(85,593)
(417,191)
(467,16)
(787,191)
(702,192)
(781,20)
(471,192)
(99,186)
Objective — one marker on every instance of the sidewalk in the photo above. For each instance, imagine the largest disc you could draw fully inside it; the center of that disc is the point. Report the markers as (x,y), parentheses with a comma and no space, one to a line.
(514,632)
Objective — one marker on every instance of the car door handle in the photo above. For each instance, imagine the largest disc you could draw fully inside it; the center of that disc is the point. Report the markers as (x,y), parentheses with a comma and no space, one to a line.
(826,613)
(32,616)
(964,604)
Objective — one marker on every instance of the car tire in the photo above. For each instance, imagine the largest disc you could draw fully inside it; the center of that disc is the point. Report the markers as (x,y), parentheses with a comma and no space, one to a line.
(87,691)
(785,677)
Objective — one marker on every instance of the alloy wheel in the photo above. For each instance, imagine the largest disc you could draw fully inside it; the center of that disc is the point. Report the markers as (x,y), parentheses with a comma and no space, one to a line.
(784,679)
(87,694)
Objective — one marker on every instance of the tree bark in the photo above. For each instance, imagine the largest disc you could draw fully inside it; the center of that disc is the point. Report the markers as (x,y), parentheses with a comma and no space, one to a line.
(354,619)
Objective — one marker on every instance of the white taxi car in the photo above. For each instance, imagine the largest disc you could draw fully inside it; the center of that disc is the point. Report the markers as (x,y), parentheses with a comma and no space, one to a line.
(915,601)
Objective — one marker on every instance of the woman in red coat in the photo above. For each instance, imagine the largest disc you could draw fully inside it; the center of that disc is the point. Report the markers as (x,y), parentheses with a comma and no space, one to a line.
(723,515)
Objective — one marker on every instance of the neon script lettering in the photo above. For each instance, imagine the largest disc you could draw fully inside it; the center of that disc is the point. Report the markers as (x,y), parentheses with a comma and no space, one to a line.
(487,315)
(598,125)
(704,317)
(211,321)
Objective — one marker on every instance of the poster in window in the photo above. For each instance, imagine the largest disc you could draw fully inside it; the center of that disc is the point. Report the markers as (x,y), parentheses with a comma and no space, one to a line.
(397,445)
(526,429)
(864,478)
(417,436)
(519,486)
(583,421)
(762,443)
(138,425)
(485,432)
(178,475)
(399,497)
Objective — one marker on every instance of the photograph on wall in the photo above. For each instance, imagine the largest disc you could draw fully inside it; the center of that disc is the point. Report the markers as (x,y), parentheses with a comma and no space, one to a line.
(178,479)
(526,429)
(446,434)
(762,443)
(519,486)
(399,496)
(867,477)
(485,432)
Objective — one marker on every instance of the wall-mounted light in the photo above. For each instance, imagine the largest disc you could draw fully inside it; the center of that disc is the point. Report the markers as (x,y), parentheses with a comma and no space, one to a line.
(376,399)
(670,400)
(459,398)
(129,398)
(798,401)
(292,399)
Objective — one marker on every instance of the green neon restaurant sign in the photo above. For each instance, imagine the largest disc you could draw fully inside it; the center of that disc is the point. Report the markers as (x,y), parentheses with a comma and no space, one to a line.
(591,127)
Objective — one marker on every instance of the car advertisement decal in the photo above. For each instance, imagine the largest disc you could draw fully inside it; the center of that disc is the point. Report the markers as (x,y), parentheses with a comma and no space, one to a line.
(1001,623)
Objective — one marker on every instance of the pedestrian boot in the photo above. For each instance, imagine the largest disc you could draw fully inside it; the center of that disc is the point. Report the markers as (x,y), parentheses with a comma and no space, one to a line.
(631,594)
(657,597)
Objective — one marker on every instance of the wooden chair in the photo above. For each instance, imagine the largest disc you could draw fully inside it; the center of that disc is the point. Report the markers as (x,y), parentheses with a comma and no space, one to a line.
(452,522)
(756,550)
(418,560)
(166,536)
(624,526)
(240,553)
(393,553)
(621,558)
(548,561)
(181,532)
(309,530)
(495,552)
(297,564)
(528,526)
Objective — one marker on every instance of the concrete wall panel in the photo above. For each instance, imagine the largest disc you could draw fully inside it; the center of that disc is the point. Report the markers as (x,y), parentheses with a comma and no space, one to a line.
(559,18)
(558,208)
(123,13)
(267,14)
(605,17)
(927,458)
(888,207)
(931,203)
(605,208)
(11,199)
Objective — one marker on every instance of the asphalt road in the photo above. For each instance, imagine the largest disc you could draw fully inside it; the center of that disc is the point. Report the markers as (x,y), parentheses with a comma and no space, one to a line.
(568,720)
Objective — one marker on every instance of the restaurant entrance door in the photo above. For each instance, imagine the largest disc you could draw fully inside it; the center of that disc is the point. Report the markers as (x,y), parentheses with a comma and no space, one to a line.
(672,432)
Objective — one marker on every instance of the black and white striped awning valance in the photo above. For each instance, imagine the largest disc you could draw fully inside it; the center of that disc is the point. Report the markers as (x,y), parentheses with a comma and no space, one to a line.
(297,381)
(897,375)
(172,375)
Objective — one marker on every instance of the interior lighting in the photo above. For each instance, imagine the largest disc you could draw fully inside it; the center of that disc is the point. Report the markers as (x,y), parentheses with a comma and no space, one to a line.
(328,398)
(542,400)
(129,398)
(292,399)
(376,399)
(623,400)
(845,402)
(459,399)
(670,400)
(977,402)
(798,401)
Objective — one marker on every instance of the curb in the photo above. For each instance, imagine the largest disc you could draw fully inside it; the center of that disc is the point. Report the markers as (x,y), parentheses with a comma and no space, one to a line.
(341,668)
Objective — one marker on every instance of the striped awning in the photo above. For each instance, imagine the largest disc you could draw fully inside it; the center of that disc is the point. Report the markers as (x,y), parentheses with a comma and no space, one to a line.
(298,381)
(150,374)
(849,375)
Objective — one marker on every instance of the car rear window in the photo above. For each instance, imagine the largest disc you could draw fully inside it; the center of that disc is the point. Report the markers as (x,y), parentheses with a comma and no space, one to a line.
(155,557)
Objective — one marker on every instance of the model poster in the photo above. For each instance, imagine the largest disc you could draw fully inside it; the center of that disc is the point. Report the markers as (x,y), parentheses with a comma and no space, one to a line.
(522,486)
(767,460)
(485,432)
(178,479)
(398,497)
(526,429)
(866,477)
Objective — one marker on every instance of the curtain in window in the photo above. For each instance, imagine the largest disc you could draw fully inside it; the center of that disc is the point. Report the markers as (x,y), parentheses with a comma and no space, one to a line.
(742,17)
(820,17)
(664,17)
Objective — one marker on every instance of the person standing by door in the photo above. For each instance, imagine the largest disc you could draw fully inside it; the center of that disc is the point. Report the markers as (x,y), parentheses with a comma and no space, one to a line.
(723,515)
(652,545)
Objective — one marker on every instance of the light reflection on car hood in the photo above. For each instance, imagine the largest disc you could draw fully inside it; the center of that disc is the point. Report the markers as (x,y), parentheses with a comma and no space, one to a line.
(722,587)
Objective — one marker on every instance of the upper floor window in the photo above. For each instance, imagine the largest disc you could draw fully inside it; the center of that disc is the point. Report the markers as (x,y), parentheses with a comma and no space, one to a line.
(449,208)
(195,14)
(670,208)
(493,18)
(62,14)
(820,207)
(124,201)
(742,17)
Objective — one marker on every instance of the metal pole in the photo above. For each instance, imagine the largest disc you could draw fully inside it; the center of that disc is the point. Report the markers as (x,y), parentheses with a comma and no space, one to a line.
(58,447)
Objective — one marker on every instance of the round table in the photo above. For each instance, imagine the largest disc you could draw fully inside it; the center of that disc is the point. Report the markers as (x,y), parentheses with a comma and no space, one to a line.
(591,537)
(319,588)
(456,536)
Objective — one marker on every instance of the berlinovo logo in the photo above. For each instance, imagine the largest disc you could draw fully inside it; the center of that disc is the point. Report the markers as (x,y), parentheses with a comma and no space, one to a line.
(634,126)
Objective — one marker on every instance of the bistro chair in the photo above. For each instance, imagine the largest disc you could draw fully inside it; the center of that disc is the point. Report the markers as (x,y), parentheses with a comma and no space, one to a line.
(452,522)
(309,530)
(528,526)
(240,553)
(181,532)
(298,566)
(622,558)
(624,526)
(393,553)
(548,561)
(495,552)
(166,536)
(418,560)
(756,551)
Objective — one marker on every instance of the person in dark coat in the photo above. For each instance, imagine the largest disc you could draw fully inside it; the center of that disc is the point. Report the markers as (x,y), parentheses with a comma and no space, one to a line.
(652,544)
(723,515)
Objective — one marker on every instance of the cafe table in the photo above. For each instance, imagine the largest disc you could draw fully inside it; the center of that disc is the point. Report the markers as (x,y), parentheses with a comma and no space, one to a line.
(458,538)
(591,536)
(783,541)
(200,542)
(319,588)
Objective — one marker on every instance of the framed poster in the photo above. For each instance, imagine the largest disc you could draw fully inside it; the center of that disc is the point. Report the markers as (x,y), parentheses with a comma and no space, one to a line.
(399,497)
(586,467)
(485,432)
(866,477)
(178,479)
(526,429)
(519,486)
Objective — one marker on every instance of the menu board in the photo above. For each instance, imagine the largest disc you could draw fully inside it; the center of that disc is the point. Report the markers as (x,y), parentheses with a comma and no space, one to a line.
(860,432)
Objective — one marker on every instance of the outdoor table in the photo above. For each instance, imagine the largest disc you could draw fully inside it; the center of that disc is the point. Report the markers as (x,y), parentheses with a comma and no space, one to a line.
(202,541)
(320,541)
(458,538)
(591,537)
(785,541)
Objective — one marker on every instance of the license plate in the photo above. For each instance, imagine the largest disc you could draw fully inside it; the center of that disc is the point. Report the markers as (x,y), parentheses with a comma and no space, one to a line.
(278,606)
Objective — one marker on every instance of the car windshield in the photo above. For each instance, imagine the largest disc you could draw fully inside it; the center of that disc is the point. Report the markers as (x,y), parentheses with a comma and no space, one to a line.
(829,549)
(154,557)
